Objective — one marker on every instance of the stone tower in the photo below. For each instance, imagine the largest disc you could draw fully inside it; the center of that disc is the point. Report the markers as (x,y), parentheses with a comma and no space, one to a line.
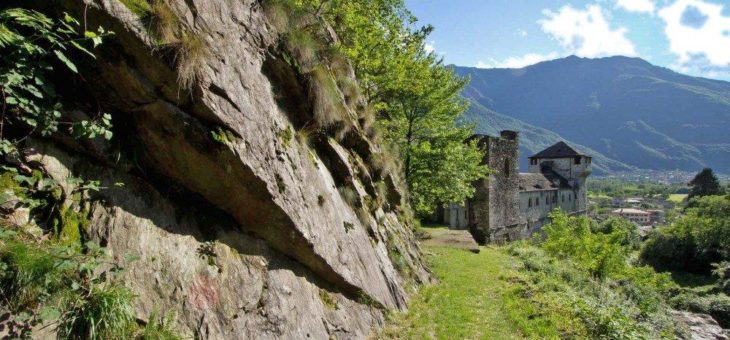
(569,164)
(494,211)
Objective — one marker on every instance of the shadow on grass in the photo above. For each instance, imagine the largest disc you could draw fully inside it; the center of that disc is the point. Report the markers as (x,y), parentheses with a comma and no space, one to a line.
(691,280)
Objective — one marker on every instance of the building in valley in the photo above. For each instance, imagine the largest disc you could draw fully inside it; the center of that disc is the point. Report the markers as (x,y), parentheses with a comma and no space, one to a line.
(639,217)
(510,205)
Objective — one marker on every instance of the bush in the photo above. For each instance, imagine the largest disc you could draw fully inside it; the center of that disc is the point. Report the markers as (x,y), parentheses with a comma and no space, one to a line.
(572,237)
(102,312)
(694,242)
(567,297)
(631,237)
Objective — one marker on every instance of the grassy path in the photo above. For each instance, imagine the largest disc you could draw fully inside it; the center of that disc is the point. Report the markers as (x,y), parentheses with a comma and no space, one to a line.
(466,304)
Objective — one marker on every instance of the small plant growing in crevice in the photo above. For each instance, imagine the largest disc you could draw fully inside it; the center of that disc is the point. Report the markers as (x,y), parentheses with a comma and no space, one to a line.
(348,226)
(281,186)
(349,195)
(367,300)
(285,136)
(206,251)
(160,327)
(329,108)
(223,136)
(191,52)
(328,300)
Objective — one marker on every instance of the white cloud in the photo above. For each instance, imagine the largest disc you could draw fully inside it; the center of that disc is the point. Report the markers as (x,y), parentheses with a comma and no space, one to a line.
(518,62)
(522,33)
(429,47)
(637,6)
(586,33)
(698,33)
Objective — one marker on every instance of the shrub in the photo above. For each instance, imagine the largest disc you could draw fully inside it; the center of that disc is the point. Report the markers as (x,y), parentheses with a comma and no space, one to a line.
(600,254)
(566,297)
(102,312)
(693,242)
(630,234)
(160,328)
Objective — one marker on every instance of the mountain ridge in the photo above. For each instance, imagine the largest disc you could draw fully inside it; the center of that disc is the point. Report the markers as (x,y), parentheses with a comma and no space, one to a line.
(630,113)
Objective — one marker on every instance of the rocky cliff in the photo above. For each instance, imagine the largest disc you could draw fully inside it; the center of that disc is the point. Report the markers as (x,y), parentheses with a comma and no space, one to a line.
(218,199)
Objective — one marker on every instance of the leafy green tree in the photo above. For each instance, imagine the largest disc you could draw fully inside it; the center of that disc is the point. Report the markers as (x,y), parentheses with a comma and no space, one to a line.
(695,241)
(629,234)
(705,183)
(416,99)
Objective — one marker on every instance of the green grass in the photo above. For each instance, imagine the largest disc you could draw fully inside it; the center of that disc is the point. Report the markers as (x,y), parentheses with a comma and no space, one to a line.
(468,303)
(677,198)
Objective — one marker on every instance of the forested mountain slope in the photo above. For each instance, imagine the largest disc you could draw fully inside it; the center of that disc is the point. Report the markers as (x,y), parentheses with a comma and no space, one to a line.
(624,108)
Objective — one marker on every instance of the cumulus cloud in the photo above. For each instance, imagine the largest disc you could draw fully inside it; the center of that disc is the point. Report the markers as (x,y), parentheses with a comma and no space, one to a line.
(637,6)
(518,62)
(429,47)
(698,33)
(586,33)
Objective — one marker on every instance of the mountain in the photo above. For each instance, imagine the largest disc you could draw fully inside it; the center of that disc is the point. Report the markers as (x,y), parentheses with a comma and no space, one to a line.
(624,111)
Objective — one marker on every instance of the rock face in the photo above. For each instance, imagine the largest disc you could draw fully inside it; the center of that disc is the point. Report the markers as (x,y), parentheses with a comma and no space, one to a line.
(702,326)
(248,235)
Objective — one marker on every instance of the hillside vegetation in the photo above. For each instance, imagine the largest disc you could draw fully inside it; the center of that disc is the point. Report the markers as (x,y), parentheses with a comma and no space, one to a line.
(581,280)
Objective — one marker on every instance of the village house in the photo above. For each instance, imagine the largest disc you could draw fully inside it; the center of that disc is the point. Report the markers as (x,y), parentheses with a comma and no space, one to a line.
(636,216)
(510,205)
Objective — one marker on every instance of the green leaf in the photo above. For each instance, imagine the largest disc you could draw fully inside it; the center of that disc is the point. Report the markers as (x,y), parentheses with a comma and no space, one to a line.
(49,313)
(83,49)
(62,57)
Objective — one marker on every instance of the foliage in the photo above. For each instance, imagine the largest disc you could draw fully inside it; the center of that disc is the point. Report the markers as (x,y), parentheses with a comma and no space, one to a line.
(621,226)
(98,312)
(600,254)
(705,183)
(415,97)
(722,271)
(695,241)
(33,46)
(47,281)
(160,327)
(571,301)
(522,292)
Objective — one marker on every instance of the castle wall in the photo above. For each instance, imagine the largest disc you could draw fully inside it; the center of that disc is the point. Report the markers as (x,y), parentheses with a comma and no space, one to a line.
(495,209)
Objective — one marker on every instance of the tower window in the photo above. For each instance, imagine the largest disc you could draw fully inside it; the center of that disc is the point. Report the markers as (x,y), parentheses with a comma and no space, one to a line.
(537,201)
(533,161)
(577,160)
(506,167)
(529,202)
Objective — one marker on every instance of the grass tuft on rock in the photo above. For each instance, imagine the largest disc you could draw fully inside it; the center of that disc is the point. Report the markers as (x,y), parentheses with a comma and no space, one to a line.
(329,108)
(190,56)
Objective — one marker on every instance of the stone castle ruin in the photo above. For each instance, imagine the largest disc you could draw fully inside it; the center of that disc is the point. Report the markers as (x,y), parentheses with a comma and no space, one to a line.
(509,205)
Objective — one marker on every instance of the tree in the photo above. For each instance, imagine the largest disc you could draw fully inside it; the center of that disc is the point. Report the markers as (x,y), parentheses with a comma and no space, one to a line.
(416,99)
(705,184)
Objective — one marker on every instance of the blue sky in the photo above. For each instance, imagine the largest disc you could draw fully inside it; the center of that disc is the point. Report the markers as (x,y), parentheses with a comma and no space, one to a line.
(688,36)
